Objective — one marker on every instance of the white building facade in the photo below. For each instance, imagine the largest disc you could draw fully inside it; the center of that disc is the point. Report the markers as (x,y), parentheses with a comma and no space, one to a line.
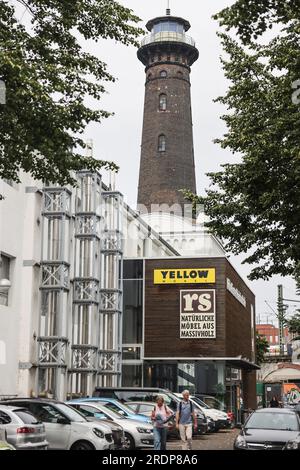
(61,253)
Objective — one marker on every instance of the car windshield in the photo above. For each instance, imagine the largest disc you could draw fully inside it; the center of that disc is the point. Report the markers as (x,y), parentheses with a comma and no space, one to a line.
(120,410)
(212,402)
(275,421)
(109,413)
(200,402)
(125,408)
(70,413)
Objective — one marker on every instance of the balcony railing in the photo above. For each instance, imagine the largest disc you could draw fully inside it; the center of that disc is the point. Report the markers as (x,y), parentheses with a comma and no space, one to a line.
(168,36)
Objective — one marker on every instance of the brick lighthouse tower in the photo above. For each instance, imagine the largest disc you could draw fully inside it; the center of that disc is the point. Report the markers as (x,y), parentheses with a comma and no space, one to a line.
(167,151)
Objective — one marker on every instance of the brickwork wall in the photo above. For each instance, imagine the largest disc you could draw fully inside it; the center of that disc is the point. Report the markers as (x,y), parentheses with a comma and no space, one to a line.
(163,174)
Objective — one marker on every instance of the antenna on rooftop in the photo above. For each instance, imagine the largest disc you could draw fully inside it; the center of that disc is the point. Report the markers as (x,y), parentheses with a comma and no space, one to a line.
(168,8)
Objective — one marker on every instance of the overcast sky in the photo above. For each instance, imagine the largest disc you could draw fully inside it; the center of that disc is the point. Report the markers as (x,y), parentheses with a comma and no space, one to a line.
(118,138)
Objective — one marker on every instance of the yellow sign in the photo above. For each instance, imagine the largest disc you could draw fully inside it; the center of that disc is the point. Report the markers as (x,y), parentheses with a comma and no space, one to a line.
(185,276)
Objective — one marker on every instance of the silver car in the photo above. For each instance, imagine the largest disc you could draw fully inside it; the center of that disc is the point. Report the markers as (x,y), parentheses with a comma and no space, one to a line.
(23,431)
(137,433)
(66,429)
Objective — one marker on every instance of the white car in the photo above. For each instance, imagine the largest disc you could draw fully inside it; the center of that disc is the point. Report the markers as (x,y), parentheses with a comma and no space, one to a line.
(66,429)
(220,417)
(137,433)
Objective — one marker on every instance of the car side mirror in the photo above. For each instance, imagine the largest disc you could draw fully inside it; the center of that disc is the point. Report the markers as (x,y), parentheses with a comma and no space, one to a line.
(63,421)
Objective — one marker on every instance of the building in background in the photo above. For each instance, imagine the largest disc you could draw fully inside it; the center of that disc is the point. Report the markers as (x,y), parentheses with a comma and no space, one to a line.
(167,151)
(271,333)
(189,323)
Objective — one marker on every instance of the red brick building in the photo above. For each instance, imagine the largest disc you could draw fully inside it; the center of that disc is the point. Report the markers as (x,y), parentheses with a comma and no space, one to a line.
(271,332)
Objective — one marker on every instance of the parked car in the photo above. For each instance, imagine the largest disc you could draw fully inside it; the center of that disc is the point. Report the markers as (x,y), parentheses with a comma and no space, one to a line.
(216,404)
(148,395)
(220,418)
(23,431)
(146,408)
(211,401)
(66,428)
(270,429)
(119,408)
(116,429)
(137,434)
(4,445)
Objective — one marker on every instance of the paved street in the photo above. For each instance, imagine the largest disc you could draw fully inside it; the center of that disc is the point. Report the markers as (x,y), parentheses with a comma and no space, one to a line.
(222,440)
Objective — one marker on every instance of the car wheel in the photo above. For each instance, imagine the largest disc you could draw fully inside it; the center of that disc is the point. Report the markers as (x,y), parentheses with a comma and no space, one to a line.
(82,445)
(128,442)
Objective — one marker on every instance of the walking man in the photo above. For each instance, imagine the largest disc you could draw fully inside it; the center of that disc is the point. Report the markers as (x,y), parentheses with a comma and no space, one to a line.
(185,418)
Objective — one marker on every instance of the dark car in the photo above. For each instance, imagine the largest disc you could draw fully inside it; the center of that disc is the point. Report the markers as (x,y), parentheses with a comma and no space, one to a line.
(270,429)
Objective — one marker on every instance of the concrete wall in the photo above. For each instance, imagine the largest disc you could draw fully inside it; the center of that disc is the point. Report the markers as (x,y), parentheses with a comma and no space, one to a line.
(19,240)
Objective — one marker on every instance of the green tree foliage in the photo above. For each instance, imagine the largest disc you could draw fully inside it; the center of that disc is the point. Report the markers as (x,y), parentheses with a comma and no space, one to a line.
(48,77)
(254,206)
(252,18)
(262,347)
(293,324)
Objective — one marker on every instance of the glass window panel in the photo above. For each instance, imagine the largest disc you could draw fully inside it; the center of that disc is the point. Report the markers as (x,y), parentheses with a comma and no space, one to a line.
(131,353)
(26,417)
(4,267)
(165,26)
(131,375)
(162,145)
(133,269)
(133,312)
(163,102)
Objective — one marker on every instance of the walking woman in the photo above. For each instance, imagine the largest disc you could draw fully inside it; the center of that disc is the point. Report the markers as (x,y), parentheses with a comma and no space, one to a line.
(159,417)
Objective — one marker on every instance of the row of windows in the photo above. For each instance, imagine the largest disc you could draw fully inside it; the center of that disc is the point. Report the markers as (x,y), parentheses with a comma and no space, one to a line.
(168,26)
(169,58)
(164,74)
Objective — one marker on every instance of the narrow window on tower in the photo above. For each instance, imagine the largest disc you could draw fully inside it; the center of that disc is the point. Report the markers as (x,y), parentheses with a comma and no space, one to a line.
(162,143)
(162,102)
(163,74)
